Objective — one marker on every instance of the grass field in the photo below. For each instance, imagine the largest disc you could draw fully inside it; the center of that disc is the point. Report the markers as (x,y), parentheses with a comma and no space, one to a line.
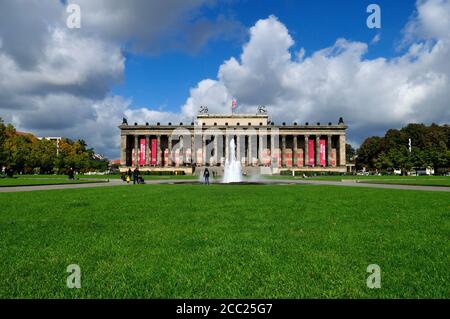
(194,241)
(27,181)
(33,180)
(400,180)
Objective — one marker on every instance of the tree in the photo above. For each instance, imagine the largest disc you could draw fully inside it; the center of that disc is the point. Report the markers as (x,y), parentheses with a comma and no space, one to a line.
(383,162)
(368,152)
(349,153)
(25,153)
(429,147)
(2,142)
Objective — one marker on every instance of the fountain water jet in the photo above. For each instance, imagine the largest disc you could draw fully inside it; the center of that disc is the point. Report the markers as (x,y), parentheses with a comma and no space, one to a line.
(233,170)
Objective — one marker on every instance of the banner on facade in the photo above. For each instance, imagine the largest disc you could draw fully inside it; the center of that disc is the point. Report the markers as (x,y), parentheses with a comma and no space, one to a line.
(154,153)
(142,151)
(311,153)
(323,158)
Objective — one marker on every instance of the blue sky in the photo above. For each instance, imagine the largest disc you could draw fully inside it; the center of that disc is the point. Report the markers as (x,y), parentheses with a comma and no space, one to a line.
(159,61)
(162,80)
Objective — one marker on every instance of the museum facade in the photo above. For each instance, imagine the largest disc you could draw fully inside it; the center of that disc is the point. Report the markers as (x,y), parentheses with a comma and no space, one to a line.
(259,143)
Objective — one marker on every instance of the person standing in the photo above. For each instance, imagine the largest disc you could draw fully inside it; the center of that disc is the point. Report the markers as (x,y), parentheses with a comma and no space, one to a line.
(206,176)
(136,176)
(71,173)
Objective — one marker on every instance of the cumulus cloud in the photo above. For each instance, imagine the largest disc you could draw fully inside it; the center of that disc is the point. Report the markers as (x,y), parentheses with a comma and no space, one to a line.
(154,25)
(431,20)
(60,94)
(24,28)
(371,94)
(56,81)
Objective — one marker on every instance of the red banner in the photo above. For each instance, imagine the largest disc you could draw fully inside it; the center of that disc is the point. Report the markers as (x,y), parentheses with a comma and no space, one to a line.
(323,158)
(311,153)
(154,160)
(142,151)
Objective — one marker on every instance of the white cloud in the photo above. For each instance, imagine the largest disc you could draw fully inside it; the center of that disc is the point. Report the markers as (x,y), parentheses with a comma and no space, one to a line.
(432,20)
(55,81)
(376,39)
(153,25)
(371,95)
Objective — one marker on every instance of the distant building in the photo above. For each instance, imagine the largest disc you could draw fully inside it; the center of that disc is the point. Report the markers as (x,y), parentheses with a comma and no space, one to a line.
(259,143)
(114,163)
(99,157)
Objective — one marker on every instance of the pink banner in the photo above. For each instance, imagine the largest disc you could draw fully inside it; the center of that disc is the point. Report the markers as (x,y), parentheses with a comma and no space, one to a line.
(154,160)
(311,153)
(142,151)
(323,147)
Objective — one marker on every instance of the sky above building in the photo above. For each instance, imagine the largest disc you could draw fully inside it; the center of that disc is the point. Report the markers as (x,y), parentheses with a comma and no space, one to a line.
(159,61)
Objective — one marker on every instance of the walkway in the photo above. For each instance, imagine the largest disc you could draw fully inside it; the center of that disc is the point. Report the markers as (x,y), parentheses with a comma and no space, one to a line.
(117,182)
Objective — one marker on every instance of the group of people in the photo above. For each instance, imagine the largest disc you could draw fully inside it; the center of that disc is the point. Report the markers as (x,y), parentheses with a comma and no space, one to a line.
(134,176)
(7,172)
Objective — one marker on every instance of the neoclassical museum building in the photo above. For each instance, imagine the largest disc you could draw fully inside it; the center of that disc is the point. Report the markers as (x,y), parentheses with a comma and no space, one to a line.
(259,144)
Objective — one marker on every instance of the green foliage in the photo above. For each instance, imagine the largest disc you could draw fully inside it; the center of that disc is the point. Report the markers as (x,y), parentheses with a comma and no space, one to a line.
(25,153)
(430,147)
(350,153)
(2,141)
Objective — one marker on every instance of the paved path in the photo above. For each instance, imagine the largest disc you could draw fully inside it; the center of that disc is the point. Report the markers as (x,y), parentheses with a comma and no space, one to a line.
(372,185)
(117,182)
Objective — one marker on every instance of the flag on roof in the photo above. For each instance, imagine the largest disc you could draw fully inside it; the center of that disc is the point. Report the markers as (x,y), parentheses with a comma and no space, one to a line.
(233,104)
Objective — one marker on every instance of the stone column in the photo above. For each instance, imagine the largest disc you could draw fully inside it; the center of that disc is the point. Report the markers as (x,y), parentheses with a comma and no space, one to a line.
(306,155)
(192,149)
(181,151)
(199,149)
(261,149)
(203,149)
(329,150)
(216,149)
(123,150)
(283,151)
(227,146)
(342,158)
(169,150)
(294,151)
(238,147)
(136,151)
(250,161)
(147,150)
(272,151)
(317,150)
(158,150)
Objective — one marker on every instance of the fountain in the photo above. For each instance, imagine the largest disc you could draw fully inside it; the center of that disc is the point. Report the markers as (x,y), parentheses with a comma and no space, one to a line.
(233,170)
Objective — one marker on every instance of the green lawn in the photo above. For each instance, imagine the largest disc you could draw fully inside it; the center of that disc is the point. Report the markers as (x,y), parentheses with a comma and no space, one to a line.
(33,180)
(401,180)
(27,181)
(425,181)
(193,241)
